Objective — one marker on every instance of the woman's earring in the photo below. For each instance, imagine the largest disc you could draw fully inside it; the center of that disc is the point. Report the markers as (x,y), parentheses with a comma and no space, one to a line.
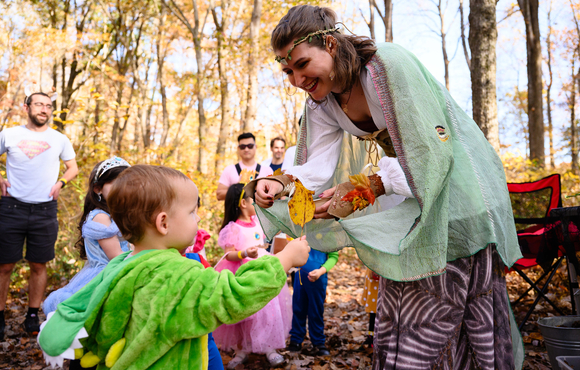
(331,75)
(287,90)
(99,196)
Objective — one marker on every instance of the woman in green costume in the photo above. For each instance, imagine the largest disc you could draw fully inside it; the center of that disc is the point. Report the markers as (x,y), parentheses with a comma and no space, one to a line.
(441,231)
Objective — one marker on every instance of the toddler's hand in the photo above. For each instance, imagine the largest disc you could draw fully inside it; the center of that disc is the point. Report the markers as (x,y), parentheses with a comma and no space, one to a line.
(298,249)
(316,274)
(252,252)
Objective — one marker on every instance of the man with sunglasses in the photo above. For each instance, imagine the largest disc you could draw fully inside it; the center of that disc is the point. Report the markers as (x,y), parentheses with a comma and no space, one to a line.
(244,171)
(28,203)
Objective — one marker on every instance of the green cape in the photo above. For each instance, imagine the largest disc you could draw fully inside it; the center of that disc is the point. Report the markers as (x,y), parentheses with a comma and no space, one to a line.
(461,202)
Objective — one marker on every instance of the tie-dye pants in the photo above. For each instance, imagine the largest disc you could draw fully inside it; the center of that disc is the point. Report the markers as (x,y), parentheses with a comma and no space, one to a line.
(457,320)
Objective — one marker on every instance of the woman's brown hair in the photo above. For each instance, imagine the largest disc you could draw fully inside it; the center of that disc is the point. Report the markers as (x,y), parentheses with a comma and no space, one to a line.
(352,53)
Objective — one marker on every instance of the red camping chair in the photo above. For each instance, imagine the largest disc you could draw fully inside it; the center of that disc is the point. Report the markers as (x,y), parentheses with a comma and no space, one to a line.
(537,234)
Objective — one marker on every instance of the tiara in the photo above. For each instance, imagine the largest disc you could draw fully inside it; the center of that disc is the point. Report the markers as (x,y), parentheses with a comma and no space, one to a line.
(108,164)
(299,41)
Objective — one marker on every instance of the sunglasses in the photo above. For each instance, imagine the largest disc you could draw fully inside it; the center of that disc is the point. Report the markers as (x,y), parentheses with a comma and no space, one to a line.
(244,146)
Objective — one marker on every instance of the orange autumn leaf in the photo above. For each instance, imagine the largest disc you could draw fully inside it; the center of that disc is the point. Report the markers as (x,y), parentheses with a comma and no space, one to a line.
(301,206)
(362,195)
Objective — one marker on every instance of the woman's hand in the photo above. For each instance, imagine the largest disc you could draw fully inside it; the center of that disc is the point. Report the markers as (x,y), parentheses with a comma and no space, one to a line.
(252,252)
(266,190)
(321,211)
(316,274)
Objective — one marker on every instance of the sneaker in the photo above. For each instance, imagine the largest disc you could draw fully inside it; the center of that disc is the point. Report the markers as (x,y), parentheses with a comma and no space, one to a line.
(294,347)
(240,358)
(31,324)
(318,351)
(275,359)
(322,351)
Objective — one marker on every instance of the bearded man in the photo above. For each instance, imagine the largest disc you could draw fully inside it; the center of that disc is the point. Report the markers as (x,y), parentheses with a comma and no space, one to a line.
(28,209)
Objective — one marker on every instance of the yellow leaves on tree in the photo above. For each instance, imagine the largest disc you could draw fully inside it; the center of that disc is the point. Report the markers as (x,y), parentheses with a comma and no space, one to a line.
(362,195)
(301,206)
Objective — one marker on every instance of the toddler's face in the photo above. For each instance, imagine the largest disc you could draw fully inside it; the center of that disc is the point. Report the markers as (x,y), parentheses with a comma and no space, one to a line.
(182,217)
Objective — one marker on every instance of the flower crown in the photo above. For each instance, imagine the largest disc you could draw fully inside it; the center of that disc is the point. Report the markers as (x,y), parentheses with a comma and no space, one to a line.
(299,41)
(108,164)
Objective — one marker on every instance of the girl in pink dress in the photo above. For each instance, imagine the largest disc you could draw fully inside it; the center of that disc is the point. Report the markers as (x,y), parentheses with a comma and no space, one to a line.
(242,239)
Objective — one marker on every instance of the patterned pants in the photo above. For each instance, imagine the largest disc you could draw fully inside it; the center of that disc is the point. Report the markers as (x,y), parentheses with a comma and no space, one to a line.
(458,320)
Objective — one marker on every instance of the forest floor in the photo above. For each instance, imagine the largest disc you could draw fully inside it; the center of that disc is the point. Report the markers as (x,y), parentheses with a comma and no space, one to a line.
(345,325)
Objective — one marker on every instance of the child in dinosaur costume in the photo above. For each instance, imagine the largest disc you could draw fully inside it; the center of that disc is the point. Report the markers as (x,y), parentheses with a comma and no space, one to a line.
(152,308)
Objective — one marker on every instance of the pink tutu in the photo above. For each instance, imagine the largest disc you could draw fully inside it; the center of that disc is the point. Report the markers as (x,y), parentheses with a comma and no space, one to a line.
(262,332)
(268,328)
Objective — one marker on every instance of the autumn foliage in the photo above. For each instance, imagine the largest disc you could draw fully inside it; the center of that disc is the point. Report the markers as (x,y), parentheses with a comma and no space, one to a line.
(362,195)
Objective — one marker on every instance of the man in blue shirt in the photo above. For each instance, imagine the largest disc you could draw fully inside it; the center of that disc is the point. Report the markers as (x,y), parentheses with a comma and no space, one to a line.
(278,148)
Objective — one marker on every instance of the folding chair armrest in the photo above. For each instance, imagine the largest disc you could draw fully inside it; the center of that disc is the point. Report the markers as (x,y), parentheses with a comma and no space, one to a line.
(534,221)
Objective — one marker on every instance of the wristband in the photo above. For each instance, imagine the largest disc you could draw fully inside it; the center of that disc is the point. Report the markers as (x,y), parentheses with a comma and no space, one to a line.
(63,180)
(240,255)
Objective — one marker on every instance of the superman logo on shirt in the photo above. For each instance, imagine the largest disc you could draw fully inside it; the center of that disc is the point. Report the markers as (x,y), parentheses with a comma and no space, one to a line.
(32,148)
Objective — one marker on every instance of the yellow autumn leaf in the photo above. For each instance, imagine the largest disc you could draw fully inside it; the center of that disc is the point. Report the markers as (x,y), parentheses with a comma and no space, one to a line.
(301,206)
(360,181)
(278,172)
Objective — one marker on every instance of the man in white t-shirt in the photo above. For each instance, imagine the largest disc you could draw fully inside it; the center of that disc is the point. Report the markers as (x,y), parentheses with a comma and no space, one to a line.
(278,147)
(244,171)
(28,204)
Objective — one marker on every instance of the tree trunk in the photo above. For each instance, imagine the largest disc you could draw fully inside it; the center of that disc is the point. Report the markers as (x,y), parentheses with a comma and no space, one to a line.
(387,18)
(443,42)
(463,43)
(549,89)
(117,119)
(251,108)
(162,89)
(572,105)
(371,22)
(529,10)
(126,117)
(482,42)
(196,32)
(388,21)
(202,152)
(221,28)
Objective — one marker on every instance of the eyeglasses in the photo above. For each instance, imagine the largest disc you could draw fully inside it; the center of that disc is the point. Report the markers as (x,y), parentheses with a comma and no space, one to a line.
(244,146)
(40,106)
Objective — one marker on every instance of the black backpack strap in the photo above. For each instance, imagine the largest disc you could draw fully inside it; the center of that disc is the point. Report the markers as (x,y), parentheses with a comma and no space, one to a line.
(258,168)
(238,168)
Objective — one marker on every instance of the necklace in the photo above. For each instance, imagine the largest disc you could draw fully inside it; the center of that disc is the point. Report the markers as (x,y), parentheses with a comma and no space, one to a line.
(344,106)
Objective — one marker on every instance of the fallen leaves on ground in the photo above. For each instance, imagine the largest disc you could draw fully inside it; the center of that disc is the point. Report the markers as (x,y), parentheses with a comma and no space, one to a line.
(346,324)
